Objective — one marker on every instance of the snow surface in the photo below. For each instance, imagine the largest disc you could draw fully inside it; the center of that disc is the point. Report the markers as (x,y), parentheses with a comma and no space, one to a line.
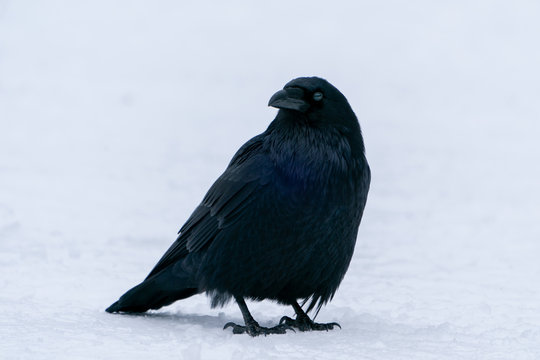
(116,117)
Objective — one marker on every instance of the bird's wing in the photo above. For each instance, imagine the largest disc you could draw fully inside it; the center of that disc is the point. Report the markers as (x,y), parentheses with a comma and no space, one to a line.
(226,201)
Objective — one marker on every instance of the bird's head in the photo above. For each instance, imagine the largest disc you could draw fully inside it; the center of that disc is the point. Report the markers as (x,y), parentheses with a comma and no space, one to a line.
(316,101)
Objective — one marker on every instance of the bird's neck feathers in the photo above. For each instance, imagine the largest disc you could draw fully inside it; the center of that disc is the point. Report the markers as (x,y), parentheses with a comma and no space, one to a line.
(316,152)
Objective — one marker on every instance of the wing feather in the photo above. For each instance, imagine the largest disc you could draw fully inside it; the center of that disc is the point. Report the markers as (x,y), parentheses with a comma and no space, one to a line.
(226,201)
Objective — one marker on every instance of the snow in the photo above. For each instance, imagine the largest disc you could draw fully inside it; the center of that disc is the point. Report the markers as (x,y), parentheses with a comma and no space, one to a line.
(115,118)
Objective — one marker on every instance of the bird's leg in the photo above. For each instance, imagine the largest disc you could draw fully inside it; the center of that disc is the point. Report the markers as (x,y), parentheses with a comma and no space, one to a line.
(303,322)
(252,327)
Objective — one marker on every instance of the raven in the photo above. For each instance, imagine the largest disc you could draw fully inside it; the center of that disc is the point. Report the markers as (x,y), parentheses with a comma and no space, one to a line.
(280,223)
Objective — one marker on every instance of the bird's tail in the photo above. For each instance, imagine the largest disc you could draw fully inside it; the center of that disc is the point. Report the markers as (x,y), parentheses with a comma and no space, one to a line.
(160,290)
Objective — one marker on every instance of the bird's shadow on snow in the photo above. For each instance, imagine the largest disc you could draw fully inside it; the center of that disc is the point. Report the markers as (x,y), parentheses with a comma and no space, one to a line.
(206,321)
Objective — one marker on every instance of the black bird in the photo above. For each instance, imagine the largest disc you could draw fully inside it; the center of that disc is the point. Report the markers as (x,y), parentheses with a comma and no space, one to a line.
(280,223)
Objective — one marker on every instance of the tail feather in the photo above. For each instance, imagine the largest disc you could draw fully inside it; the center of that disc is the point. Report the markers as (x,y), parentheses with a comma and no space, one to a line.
(160,290)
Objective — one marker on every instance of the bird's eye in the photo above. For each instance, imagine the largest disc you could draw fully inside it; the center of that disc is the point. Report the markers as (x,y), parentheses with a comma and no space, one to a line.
(318,96)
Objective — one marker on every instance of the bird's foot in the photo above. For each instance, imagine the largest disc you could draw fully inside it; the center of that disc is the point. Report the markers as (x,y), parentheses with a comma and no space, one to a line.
(254,329)
(304,323)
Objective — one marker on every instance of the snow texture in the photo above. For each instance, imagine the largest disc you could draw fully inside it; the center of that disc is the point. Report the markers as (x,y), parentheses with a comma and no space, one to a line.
(116,117)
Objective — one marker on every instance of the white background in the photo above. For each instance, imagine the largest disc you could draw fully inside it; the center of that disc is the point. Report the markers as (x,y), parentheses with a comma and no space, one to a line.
(116,117)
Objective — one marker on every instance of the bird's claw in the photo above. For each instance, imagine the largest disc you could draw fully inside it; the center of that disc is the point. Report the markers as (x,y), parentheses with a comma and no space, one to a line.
(236,329)
(306,324)
(254,329)
(286,320)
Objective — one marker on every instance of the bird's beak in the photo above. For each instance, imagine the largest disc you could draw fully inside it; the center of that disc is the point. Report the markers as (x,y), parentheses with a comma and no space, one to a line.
(291,98)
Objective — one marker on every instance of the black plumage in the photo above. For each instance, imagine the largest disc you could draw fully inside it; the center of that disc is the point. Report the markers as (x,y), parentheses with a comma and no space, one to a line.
(280,223)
